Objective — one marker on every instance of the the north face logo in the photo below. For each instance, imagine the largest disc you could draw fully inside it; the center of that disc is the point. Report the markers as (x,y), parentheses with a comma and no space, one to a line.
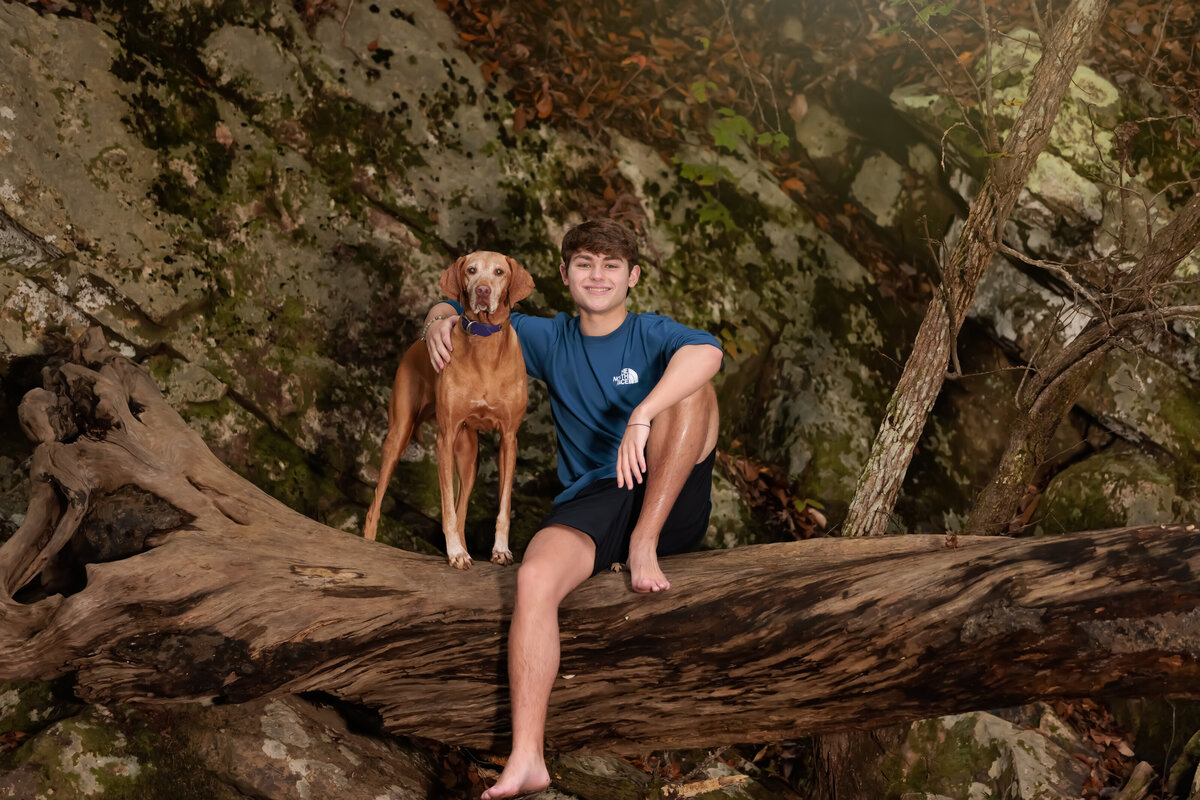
(626,377)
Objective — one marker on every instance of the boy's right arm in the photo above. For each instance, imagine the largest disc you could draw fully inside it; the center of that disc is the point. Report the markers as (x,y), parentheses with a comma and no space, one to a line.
(439,322)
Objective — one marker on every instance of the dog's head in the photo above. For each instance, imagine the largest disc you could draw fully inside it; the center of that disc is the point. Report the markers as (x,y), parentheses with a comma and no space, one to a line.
(486,282)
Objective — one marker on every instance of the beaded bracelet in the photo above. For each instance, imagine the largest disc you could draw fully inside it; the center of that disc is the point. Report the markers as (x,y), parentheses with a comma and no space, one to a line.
(425,330)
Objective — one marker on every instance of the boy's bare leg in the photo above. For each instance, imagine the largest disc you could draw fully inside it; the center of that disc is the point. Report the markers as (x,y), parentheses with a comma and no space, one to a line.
(557,560)
(680,438)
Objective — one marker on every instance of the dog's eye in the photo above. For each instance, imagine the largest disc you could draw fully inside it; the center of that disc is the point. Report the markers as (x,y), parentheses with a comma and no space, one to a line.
(470,270)
(499,272)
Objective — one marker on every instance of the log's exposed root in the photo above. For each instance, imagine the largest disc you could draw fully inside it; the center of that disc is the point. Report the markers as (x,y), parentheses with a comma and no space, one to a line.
(152,572)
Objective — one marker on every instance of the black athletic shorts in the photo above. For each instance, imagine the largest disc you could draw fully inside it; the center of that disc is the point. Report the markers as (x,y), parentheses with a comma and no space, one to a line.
(607,513)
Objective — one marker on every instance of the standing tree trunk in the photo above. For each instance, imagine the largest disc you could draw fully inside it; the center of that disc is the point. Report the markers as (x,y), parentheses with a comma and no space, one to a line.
(151,572)
(1051,391)
(921,381)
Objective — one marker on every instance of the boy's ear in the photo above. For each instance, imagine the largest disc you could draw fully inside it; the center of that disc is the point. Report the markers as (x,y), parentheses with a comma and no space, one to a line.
(450,283)
(520,283)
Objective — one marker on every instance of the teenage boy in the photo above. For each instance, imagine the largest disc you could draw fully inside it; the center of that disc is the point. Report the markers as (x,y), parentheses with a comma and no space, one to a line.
(636,421)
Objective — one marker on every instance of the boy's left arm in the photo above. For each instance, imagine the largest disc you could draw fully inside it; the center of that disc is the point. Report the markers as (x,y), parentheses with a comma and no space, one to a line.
(690,367)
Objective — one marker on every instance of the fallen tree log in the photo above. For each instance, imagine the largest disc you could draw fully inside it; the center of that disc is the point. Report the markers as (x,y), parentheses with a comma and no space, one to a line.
(199,586)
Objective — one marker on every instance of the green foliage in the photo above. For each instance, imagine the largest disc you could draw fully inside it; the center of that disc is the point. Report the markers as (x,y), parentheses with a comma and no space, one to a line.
(700,90)
(729,129)
(714,212)
(777,140)
(925,11)
(702,174)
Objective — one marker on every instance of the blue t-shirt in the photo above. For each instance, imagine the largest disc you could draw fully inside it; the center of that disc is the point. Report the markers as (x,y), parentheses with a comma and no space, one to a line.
(595,382)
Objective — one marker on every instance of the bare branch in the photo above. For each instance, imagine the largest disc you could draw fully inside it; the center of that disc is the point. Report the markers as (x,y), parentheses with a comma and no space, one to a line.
(1057,269)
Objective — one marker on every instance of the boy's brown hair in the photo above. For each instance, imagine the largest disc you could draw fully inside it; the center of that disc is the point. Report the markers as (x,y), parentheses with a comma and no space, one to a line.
(603,237)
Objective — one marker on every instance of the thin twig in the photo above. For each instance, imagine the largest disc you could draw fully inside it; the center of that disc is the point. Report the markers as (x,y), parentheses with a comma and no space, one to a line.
(993,133)
(1162,32)
(1037,20)
(966,119)
(1058,270)
(956,371)
(737,46)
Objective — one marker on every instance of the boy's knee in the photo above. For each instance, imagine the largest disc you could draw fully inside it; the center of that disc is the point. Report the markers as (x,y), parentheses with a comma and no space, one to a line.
(697,409)
(541,580)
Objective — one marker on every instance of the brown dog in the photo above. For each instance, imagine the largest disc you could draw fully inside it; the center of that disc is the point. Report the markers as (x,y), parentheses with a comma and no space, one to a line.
(481,389)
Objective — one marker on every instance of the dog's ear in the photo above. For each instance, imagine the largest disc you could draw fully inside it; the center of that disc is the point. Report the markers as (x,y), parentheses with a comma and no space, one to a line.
(450,284)
(520,284)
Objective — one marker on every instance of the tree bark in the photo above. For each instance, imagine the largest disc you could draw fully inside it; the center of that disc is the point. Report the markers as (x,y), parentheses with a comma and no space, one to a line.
(198,586)
(1051,391)
(924,372)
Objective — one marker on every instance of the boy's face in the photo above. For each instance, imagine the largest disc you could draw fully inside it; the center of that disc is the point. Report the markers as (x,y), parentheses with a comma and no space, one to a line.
(599,283)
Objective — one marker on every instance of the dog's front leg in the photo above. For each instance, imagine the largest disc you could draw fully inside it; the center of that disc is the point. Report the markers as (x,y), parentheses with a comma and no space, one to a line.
(508,467)
(452,526)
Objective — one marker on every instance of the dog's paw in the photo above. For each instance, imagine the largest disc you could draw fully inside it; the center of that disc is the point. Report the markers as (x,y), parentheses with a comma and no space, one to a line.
(502,557)
(460,560)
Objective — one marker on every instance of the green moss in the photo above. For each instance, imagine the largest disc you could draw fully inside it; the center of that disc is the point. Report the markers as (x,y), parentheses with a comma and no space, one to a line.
(342,133)
(29,706)
(1118,487)
(287,473)
(1181,414)
(948,760)
(127,753)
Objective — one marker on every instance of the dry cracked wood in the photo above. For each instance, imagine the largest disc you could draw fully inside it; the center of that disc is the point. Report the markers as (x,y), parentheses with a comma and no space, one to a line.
(199,585)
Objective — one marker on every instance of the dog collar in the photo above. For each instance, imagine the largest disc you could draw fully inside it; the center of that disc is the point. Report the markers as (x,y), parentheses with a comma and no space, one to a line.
(478,328)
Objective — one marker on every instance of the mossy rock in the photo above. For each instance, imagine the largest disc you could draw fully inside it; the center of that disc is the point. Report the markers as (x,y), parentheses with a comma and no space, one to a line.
(980,755)
(598,777)
(29,706)
(1116,488)
(111,755)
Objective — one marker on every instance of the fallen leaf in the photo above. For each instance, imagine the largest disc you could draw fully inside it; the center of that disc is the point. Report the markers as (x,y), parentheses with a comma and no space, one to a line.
(223,135)
(798,108)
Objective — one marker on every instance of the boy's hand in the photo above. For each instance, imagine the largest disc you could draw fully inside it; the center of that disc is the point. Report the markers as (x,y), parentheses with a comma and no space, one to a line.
(631,455)
(437,341)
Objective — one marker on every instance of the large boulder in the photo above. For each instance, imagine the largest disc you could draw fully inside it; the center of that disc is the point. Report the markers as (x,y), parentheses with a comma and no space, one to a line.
(980,755)
(275,748)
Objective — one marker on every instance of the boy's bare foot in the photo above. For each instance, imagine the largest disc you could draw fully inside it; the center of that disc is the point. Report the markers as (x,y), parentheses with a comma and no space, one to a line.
(646,574)
(520,776)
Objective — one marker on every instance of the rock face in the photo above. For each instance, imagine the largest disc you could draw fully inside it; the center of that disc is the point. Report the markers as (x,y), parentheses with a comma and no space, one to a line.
(256,204)
(282,748)
(260,212)
(980,755)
